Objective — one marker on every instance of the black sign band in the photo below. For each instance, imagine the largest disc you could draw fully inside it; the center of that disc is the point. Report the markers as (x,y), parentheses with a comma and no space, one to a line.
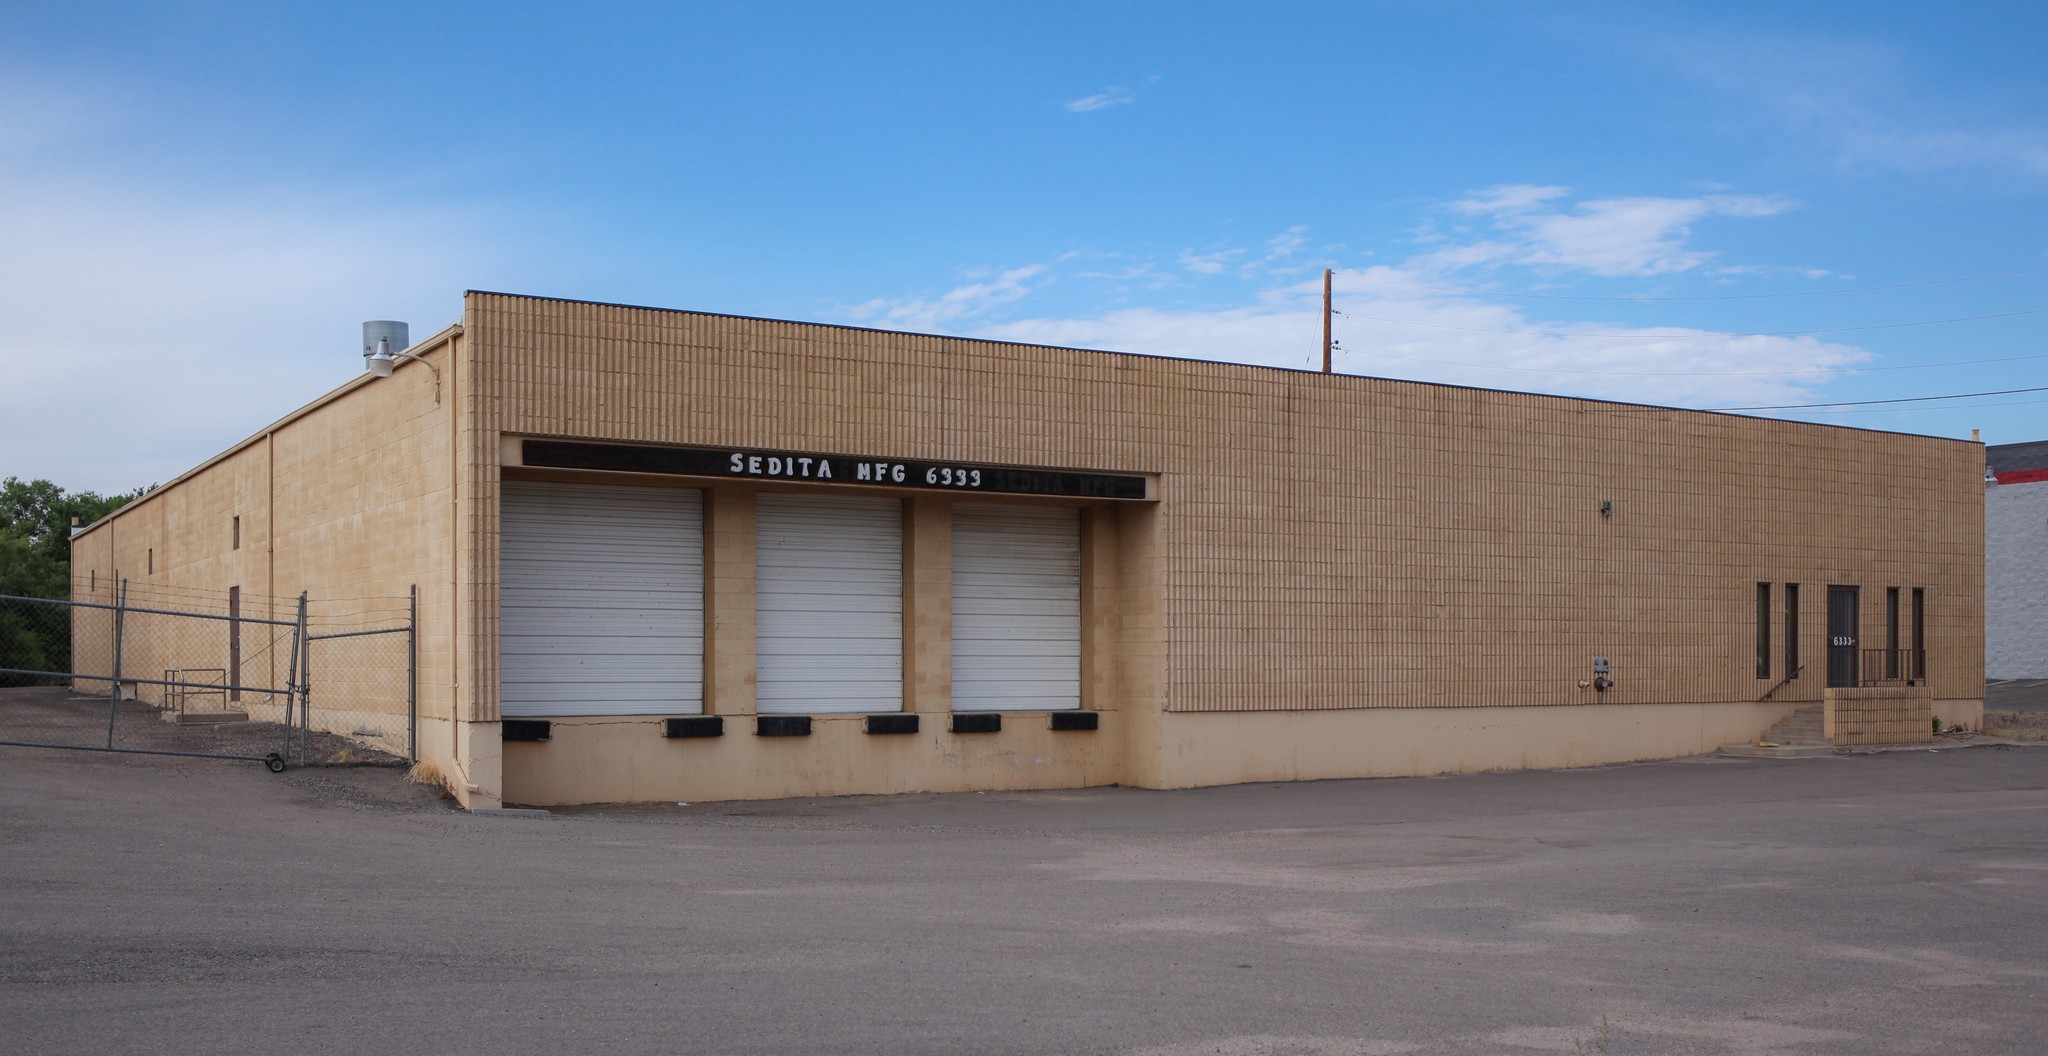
(804,467)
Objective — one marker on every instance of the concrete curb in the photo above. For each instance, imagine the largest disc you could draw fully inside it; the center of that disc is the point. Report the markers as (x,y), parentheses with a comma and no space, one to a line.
(1783,751)
(1819,751)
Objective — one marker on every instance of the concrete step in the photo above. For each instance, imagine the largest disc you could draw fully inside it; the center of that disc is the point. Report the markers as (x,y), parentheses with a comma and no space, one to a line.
(1800,735)
(1805,727)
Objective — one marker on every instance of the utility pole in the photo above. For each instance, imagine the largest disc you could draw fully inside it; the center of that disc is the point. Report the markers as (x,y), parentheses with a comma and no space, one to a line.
(1326,320)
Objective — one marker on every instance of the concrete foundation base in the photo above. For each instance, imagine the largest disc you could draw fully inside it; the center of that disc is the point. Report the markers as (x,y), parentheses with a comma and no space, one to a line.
(204,718)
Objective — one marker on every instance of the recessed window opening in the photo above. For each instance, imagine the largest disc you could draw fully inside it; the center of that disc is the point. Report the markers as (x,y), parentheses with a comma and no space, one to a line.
(150,567)
(1791,630)
(1891,632)
(238,533)
(1763,630)
(1919,632)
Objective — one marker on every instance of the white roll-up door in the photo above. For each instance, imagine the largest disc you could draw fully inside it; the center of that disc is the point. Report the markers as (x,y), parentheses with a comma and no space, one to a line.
(828,604)
(1016,608)
(601,600)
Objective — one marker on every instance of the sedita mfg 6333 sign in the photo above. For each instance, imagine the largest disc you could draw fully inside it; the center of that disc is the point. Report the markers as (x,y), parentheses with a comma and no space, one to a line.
(811,467)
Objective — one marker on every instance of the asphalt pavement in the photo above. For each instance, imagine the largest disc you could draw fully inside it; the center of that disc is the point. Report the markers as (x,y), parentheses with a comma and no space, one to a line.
(1884,903)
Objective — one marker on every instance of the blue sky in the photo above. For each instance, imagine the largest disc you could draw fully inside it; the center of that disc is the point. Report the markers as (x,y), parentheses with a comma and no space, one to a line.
(1706,205)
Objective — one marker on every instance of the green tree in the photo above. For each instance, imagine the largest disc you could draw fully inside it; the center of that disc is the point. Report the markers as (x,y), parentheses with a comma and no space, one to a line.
(35,562)
(30,636)
(41,512)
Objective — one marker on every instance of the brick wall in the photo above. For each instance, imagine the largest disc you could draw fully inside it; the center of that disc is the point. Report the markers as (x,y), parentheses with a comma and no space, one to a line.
(347,499)
(1323,542)
(1879,715)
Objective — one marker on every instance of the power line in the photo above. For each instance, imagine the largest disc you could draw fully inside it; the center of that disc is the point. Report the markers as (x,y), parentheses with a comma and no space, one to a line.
(1710,297)
(1972,407)
(1868,403)
(1699,336)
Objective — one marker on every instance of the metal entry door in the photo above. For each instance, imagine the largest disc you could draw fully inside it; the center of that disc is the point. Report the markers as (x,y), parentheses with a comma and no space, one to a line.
(1844,603)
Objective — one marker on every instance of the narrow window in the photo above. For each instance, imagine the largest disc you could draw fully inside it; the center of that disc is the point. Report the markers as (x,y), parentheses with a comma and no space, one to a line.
(1791,630)
(1891,632)
(149,569)
(95,581)
(1919,632)
(238,533)
(1763,630)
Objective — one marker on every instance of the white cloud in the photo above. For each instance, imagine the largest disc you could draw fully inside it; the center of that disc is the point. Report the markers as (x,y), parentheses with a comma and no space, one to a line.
(1114,95)
(1132,273)
(1608,236)
(1280,251)
(956,305)
(1401,332)
(1214,263)
(1509,198)
(1405,321)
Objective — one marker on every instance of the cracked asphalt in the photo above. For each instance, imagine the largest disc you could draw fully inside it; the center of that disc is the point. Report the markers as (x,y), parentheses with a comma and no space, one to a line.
(1885,903)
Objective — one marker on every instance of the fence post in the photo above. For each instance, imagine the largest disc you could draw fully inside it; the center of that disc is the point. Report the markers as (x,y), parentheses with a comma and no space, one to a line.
(114,692)
(291,678)
(412,677)
(305,683)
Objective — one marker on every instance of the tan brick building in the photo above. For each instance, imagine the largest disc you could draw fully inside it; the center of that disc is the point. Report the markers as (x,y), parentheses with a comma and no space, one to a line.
(666,555)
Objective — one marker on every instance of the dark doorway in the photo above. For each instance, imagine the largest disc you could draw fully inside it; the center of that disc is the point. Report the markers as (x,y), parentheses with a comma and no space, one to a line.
(1844,604)
(235,636)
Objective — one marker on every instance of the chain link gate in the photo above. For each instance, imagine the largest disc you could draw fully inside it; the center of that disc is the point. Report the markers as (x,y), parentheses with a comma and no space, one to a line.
(368,680)
(161,670)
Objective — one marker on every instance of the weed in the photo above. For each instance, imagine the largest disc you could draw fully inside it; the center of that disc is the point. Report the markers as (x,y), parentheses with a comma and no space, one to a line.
(2016,725)
(430,775)
(1602,1044)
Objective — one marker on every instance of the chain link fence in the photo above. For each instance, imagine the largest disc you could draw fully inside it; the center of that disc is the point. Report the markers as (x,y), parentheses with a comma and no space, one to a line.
(360,675)
(175,671)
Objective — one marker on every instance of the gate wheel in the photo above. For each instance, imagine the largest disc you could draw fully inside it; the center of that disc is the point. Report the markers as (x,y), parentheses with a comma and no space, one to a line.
(274,762)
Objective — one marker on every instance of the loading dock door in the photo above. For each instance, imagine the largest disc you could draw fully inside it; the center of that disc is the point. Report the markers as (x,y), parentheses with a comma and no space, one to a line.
(828,604)
(1016,608)
(601,605)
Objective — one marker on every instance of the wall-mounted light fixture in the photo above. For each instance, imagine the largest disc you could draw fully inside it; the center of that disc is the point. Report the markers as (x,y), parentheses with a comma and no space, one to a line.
(384,341)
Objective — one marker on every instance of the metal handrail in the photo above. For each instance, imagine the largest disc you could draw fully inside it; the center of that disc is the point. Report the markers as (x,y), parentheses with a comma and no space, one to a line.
(181,685)
(1895,666)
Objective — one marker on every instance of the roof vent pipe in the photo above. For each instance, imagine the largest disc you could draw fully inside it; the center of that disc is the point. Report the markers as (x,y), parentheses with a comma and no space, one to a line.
(388,337)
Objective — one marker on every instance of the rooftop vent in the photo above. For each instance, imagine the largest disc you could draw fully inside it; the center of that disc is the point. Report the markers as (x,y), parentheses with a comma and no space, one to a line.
(383,339)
